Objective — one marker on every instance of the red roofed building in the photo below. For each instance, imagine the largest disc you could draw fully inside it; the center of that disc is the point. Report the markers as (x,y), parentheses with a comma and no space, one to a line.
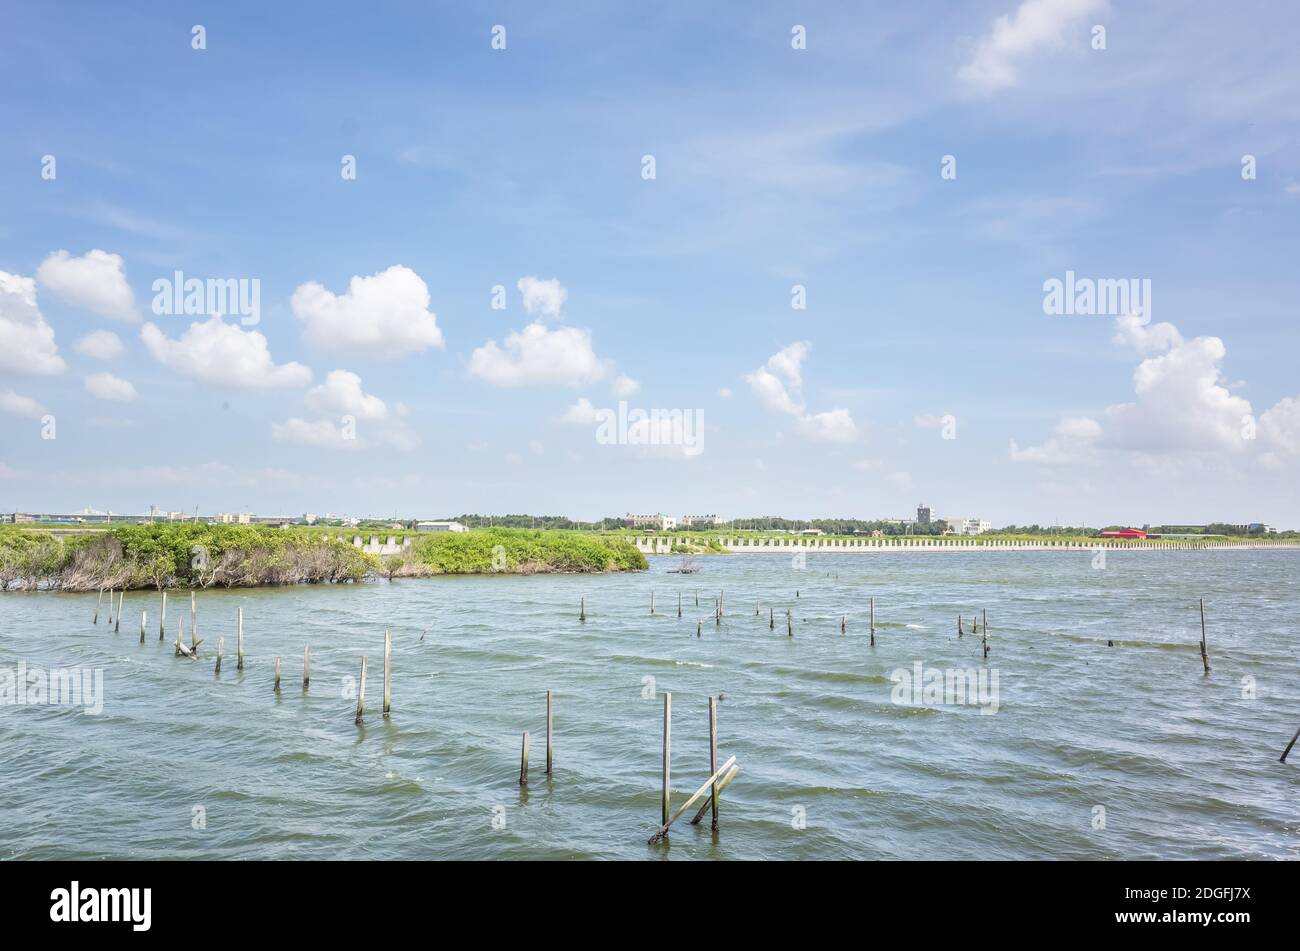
(1125,533)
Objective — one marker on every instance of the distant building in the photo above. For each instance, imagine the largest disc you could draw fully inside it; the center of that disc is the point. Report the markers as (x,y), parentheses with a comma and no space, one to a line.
(697,521)
(309,518)
(1125,533)
(812,531)
(233,518)
(968,526)
(923,515)
(440,527)
(657,521)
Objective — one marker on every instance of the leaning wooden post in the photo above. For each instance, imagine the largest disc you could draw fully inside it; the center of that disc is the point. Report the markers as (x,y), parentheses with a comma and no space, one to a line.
(277,673)
(239,662)
(550,736)
(1286,751)
(144,619)
(306,666)
(1205,654)
(117,619)
(662,832)
(361,692)
(99,601)
(388,670)
(162,618)
(221,652)
(713,758)
(523,762)
(668,753)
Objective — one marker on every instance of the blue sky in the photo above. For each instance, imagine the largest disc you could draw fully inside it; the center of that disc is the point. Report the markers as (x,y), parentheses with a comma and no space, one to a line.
(774,167)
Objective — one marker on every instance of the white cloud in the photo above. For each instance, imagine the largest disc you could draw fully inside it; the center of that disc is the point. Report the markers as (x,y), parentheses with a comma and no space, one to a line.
(383,316)
(321,434)
(536,355)
(29,346)
(542,298)
(101,344)
(624,386)
(778,386)
(105,386)
(834,425)
(96,281)
(581,413)
(1036,25)
(11,402)
(1279,427)
(1074,440)
(535,447)
(725,392)
(223,355)
(341,394)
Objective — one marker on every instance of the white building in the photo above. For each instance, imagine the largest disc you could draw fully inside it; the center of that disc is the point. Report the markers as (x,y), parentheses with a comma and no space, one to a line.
(969,526)
(440,527)
(659,521)
(699,521)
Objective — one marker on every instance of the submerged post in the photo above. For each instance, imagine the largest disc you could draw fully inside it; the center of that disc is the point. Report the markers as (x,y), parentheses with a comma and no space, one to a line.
(239,661)
(668,752)
(550,736)
(361,691)
(713,758)
(388,670)
(306,666)
(1205,654)
(523,762)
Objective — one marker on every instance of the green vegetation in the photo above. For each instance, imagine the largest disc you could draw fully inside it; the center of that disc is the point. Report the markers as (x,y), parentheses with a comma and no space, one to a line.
(199,555)
(521,551)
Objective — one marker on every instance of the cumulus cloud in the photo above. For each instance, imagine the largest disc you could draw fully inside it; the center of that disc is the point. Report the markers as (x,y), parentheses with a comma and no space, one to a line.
(341,394)
(384,316)
(1279,427)
(101,344)
(537,356)
(223,355)
(581,413)
(542,298)
(1073,440)
(29,346)
(1035,26)
(624,386)
(778,386)
(95,281)
(13,403)
(105,386)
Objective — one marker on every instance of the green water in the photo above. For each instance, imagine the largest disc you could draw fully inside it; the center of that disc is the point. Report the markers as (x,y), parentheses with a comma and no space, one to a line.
(182,763)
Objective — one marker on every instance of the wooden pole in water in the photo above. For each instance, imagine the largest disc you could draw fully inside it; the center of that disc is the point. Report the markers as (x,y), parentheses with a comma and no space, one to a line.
(721,786)
(277,673)
(99,601)
(662,831)
(873,622)
(843,622)
(1287,751)
(713,757)
(550,736)
(789,624)
(361,693)
(668,752)
(679,604)
(582,611)
(306,666)
(117,620)
(388,671)
(144,618)
(960,632)
(523,762)
(162,618)
(699,628)
(1205,654)
(771,619)
(180,633)
(652,602)
(239,661)
(221,652)
(194,618)
(697,599)
(986,624)
(110,605)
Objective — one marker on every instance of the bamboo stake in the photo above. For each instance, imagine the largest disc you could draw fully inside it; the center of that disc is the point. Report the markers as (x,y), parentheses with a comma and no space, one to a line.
(1205,654)
(721,786)
(662,832)
(98,603)
(221,652)
(239,662)
(277,673)
(388,670)
(162,618)
(713,757)
(306,666)
(1286,751)
(550,736)
(361,693)
(523,762)
(668,754)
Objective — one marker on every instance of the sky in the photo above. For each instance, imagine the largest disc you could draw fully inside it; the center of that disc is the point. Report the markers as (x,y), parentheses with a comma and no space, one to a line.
(820,236)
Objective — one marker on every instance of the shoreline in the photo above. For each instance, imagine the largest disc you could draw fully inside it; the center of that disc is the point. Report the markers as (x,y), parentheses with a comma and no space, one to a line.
(866,547)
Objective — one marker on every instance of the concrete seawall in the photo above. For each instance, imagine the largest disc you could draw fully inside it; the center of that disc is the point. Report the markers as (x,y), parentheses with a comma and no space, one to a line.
(850,546)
